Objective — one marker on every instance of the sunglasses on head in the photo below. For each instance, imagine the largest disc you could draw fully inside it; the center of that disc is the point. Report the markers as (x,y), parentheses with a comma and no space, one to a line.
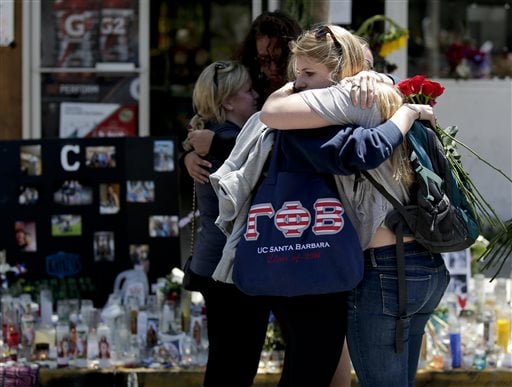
(219,66)
(322,31)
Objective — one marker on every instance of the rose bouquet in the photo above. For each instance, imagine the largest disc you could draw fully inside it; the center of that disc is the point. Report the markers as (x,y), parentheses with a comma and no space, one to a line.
(420,90)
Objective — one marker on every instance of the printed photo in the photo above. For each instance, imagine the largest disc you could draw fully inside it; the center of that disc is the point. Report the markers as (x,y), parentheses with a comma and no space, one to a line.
(73,193)
(138,191)
(30,160)
(458,262)
(139,255)
(458,284)
(26,235)
(100,156)
(28,195)
(109,198)
(163,226)
(66,225)
(103,246)
(164,156)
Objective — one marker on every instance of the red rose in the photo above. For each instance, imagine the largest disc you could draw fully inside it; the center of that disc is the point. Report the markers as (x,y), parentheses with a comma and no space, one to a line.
(416,83)
(432,90)
(405,88)
(411,85)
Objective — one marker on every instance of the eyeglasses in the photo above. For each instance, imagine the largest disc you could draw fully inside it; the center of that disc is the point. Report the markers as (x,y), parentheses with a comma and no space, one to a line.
(322,31)
(267,60)
(219,66)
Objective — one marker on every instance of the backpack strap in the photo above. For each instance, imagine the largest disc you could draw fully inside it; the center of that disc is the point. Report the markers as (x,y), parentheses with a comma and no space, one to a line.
(396,204)
(402,289)
(425,174)
(400,263)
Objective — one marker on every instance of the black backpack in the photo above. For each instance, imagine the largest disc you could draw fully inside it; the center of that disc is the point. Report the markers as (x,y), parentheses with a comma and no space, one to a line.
(439,215)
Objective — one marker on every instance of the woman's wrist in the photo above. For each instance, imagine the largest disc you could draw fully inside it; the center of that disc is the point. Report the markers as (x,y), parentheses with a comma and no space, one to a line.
(383,78)
(414,109)
(405,116)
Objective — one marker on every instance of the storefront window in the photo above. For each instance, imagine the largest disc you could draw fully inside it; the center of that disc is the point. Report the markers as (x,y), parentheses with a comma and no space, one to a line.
(187,35)
(460,38)
(89,68)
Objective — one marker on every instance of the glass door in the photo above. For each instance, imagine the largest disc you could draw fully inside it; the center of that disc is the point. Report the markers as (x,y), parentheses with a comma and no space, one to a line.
(90,68)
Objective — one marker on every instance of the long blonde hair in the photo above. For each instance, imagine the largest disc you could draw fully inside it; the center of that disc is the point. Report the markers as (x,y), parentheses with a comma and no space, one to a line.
(216,83)
(345,55)
(335,47)
(388,100)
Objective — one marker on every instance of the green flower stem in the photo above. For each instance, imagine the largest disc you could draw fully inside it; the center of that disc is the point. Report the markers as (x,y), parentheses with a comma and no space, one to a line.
(498,250)
(475,198)
(363,29)
(444,133)
(496,253)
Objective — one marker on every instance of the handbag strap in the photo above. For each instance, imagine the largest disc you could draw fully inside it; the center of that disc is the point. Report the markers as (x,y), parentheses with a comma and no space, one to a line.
(193,220)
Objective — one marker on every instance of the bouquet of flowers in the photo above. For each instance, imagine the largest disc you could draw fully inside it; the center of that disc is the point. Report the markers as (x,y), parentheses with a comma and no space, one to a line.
(466,61)
(173,284)
(384,36)
(420,90)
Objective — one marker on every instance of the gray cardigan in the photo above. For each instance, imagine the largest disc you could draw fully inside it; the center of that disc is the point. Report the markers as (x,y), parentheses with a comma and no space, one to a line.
(234,183)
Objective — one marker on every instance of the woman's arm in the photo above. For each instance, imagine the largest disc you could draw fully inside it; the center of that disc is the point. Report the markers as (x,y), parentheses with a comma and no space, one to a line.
(286,109)
(340,150)
(405,116)
(316,108)
(346,149)
(331,106)
(283,109)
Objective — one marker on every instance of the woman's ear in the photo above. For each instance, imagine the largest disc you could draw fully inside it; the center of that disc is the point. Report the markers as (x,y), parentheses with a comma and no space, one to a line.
(227,104)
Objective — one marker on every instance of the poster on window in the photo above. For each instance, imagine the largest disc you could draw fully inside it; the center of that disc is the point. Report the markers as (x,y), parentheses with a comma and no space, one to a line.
(89,105)
(97,120)
(84,33)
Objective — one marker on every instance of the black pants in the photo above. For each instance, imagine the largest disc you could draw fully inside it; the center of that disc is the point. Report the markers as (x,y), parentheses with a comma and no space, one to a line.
(315,331)
(237,325)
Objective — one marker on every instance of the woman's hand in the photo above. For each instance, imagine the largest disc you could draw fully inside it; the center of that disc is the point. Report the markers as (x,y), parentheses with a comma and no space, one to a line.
(362,87)
(424,112)
(197,167)
(201,140)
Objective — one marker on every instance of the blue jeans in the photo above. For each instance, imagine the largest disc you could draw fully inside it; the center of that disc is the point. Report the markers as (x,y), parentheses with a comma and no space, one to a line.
(373,310)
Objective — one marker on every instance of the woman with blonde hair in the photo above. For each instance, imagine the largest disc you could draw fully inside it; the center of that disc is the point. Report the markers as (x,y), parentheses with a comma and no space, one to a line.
(316,321)
(265,52)
(317,98)
(223,100)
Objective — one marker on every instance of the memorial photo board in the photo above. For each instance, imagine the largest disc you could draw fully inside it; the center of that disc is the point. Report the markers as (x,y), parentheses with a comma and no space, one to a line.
(76,212)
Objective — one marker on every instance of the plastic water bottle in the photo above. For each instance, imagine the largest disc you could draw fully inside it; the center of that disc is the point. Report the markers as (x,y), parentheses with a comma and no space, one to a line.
(455,338)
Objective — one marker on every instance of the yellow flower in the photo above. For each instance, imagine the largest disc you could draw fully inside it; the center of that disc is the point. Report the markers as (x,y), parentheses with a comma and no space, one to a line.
(396,43)
(393,39)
